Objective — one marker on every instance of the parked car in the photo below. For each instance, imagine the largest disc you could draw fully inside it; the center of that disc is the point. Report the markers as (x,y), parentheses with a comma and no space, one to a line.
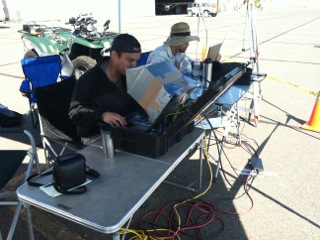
(196,9)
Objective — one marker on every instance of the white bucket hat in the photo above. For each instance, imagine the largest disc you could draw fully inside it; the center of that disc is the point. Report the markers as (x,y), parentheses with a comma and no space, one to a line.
(180,34)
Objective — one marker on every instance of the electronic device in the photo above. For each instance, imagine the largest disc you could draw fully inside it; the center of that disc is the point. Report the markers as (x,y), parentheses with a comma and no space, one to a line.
(213,51)
(257,164)
(153,140)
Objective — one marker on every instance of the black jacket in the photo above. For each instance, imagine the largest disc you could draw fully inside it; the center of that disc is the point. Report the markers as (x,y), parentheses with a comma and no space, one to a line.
(94,94)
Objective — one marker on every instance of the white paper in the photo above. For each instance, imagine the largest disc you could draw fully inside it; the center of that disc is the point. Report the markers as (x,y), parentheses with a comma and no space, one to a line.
(52,192)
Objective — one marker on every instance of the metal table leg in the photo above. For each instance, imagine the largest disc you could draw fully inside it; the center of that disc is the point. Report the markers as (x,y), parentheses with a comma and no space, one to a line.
(29,221)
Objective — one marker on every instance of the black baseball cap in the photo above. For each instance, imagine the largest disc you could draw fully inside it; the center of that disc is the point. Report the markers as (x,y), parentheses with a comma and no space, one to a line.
(125,43)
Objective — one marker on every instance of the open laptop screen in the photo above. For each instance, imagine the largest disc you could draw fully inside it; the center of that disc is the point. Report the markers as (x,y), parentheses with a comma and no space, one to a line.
(214,51)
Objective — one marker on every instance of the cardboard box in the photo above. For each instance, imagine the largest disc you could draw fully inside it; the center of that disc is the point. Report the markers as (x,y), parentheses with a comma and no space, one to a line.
(155,86)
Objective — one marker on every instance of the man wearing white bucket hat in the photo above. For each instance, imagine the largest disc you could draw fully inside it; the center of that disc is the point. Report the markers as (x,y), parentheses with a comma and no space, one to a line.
(174,48)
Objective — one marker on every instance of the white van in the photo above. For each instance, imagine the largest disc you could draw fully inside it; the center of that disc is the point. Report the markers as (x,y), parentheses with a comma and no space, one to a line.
(202,9)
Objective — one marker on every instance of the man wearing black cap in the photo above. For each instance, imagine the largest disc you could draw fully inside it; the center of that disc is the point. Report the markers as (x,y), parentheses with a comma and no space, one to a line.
(100,95)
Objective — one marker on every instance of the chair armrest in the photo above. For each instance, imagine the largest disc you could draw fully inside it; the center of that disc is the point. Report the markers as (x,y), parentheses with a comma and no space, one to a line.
(11,130)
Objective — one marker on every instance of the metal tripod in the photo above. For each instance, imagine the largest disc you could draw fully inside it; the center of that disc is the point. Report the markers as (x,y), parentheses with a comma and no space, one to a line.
(250,21)
(233,113)
(257,77)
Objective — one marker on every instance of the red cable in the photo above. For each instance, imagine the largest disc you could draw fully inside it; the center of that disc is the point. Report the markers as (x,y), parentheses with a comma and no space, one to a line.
(196,211)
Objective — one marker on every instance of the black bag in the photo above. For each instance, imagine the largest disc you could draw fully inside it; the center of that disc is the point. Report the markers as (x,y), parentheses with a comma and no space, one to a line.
(69,171)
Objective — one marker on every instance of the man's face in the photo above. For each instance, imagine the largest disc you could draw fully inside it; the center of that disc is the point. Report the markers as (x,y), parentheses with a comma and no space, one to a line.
(183,47)
(126,60)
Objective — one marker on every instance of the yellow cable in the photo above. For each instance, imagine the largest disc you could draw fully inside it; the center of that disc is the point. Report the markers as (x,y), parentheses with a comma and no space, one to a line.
(210,182)
(140,235)
(175,114)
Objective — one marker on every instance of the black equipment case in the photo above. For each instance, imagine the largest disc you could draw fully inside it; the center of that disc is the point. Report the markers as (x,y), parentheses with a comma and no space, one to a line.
(151,144)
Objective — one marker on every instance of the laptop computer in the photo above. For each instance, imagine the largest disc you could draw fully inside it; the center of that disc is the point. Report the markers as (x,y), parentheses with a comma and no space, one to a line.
(213,51)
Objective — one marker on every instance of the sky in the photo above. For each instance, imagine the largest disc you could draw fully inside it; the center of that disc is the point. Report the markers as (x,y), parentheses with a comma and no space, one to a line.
(42,10)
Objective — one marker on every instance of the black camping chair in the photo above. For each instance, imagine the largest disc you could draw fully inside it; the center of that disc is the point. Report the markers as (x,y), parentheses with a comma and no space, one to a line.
(55,125)
(10,162)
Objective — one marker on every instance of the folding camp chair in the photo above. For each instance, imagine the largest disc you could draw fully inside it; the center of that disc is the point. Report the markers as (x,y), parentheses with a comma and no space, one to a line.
(10,162)
(143,58)
(56,128)
(40,72)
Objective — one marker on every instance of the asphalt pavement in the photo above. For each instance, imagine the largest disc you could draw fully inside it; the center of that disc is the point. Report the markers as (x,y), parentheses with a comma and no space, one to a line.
(283,200)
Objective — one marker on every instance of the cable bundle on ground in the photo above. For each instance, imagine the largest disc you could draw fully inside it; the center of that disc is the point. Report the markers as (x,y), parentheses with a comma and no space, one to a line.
(182,218)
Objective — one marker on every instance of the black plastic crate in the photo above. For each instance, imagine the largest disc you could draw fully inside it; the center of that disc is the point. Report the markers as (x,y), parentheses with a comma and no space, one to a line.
(147,144)
(220,69)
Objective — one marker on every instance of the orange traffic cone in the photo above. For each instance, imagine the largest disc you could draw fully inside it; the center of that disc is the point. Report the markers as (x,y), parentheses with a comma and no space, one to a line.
(314,122)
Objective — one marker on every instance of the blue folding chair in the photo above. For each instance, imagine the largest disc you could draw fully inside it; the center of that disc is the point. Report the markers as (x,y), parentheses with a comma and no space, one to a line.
(39,72)
(143,58)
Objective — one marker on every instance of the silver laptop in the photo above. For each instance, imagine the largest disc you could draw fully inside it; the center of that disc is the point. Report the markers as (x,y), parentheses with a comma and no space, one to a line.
(214,51)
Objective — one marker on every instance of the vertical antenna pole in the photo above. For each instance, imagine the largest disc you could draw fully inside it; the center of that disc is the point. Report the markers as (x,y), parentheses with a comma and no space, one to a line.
(119,15)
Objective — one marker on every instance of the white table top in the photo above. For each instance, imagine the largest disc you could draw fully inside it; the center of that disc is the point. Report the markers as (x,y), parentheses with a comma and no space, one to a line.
(125,183)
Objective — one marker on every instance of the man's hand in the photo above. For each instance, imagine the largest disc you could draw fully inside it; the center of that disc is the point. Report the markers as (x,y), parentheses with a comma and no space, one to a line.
(114,119)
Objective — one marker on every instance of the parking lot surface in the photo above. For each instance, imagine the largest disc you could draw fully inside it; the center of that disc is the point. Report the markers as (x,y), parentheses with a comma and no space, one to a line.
(283,201)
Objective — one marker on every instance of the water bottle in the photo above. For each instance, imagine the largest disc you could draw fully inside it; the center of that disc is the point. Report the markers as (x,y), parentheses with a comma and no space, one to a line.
(196,72)
(186,67)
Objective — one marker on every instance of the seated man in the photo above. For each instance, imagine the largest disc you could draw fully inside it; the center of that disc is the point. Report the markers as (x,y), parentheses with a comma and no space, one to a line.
(174,48)
(100,95)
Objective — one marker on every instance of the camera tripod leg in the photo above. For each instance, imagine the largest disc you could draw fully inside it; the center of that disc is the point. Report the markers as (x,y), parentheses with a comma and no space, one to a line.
(254,57)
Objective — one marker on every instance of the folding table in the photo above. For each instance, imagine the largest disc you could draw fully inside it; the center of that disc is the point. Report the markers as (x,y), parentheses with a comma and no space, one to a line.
(125,183)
